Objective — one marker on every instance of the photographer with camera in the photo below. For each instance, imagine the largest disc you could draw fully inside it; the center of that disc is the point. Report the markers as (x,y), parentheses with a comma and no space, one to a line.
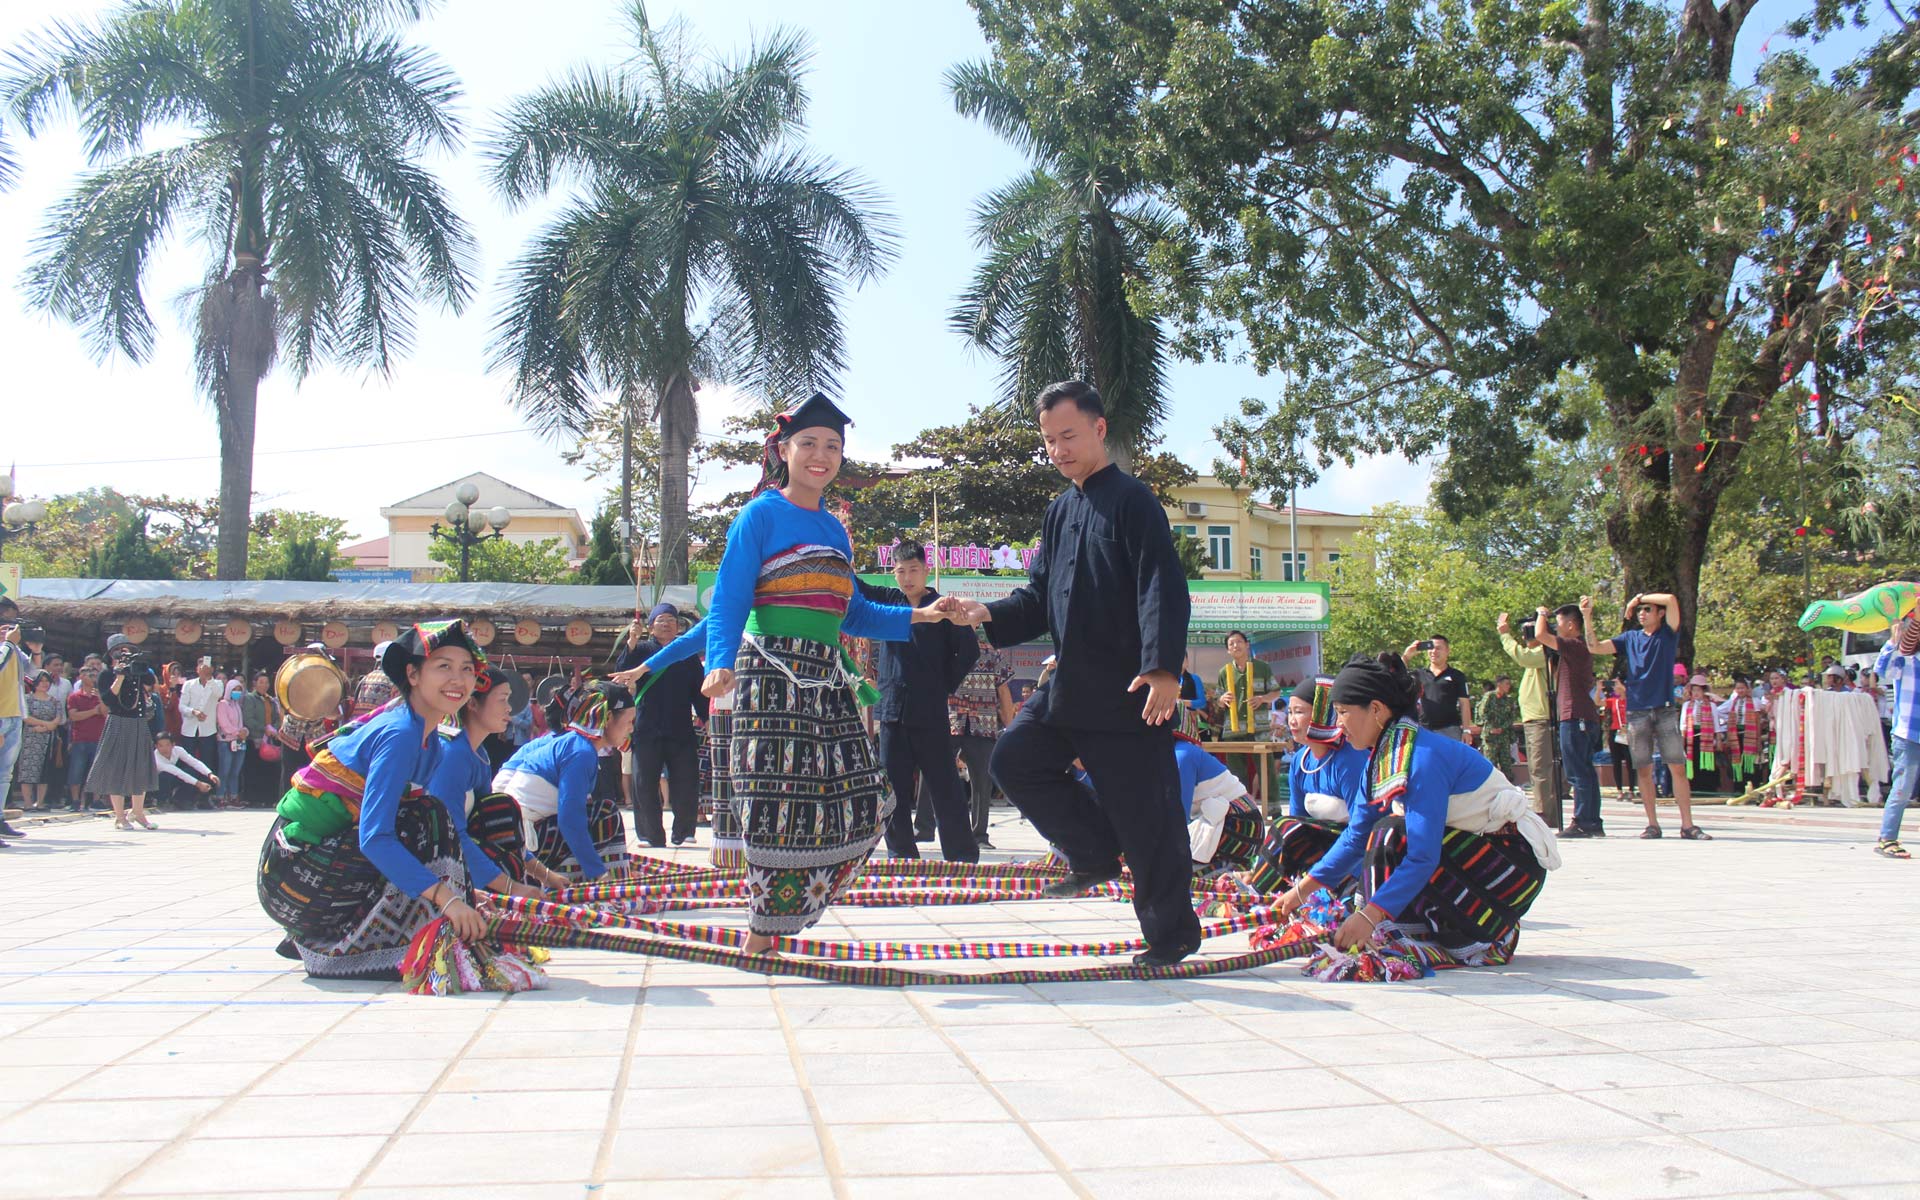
(1536,717)
(1444,704)
(124,770)
(14,668)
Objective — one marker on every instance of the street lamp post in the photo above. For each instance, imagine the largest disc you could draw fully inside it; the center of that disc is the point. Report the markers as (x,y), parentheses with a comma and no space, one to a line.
(17,517)
(466,525)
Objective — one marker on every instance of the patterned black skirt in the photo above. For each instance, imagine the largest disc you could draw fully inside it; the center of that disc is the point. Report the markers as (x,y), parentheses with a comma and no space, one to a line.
(806,781)
(1469,912)
(342,915)
(1293,846)
(607,828)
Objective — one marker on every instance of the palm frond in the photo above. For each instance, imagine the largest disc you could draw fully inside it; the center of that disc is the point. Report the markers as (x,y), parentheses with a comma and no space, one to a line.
(9,165)
(590,124)
(379,85)
(86,266)
(749,105)
(981,91)
(140,68)
(1026,206)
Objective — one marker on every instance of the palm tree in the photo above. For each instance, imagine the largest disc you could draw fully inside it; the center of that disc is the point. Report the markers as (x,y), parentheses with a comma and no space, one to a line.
(701,242)
(9,165)
(293,132)
(1063,245)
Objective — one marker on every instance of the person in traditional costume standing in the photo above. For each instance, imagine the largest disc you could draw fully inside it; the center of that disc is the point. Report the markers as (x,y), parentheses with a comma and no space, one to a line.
(1700,734)
(806,779)
(1107,585)
(124,771)
(360,858)
(1450,853)
(573,829)
(1325,776)
(1742,720)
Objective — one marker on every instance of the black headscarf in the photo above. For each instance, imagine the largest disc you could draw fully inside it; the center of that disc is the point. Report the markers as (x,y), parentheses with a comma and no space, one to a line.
(1364,680)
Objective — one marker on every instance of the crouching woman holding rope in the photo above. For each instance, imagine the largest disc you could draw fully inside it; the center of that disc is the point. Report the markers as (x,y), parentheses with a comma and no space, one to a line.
(495,843)
(569,831)
(360,857)
(1450,854)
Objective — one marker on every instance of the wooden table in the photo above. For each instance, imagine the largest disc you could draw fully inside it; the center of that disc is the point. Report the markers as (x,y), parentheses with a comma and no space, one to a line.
(1263,755)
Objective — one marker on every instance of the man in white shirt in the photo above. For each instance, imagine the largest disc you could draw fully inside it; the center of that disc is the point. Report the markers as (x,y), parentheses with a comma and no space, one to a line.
(179,772)
(198,698)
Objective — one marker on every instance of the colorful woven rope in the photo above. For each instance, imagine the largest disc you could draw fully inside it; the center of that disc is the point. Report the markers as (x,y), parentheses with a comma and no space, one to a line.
(520,932)
(579,917)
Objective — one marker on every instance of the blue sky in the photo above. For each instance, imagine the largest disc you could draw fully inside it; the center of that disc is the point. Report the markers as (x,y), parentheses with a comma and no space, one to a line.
(878,104)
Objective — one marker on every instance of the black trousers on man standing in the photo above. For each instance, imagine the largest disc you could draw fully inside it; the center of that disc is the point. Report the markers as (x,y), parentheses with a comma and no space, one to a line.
(681,758)
(928,750)
(1136,812)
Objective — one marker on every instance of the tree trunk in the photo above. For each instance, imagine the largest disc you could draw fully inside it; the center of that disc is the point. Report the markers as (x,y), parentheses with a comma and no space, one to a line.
(679,420)
(1660,539)
(238,316)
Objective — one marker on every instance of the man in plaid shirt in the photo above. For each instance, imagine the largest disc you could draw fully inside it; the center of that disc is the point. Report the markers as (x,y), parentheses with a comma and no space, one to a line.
(1899,670)
(976,713)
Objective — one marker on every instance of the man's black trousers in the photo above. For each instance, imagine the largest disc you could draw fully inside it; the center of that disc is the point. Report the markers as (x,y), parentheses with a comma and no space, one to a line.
(681,758)
(1136,813)
(928,750)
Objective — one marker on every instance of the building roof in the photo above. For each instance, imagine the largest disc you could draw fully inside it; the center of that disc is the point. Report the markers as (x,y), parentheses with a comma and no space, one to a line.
(493,491)
(372,550)
(1263,509)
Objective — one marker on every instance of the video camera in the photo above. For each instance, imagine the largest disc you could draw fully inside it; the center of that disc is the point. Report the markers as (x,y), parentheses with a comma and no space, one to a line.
(138,667)
(1529,630)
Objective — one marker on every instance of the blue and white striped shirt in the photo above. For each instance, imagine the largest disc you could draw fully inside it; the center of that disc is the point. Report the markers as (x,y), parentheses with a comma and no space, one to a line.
(1901,672)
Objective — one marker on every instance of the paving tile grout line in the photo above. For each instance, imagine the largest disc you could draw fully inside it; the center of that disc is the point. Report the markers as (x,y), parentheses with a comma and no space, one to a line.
(610,1131)
(822,1132)
(420,1105)
(918,1003)
(186,1135)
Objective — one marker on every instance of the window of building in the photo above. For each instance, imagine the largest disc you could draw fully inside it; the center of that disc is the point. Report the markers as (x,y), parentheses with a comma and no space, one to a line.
(1192,531)
(1293,567)
(1253,562)
(1220,546)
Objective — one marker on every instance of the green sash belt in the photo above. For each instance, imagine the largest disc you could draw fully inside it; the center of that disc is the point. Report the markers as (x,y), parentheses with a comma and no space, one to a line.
(781,620)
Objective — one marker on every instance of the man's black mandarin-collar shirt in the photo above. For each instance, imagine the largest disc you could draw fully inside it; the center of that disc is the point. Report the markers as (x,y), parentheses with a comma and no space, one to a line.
(917,676)
(1108,586)
(667,708)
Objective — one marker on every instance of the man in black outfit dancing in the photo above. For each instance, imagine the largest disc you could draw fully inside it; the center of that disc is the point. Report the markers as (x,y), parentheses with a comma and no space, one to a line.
(1108,586)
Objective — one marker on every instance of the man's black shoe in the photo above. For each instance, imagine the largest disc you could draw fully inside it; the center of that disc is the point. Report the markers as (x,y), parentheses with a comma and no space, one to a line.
(1155,956)
(1078,882)
(1580,831)
(983,843)
(7,830)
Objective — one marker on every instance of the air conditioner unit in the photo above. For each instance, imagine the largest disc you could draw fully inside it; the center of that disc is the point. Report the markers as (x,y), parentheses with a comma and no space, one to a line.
(1194,508)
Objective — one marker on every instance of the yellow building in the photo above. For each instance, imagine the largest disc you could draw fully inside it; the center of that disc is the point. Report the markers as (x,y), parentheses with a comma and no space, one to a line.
(533,519)
(1252,541)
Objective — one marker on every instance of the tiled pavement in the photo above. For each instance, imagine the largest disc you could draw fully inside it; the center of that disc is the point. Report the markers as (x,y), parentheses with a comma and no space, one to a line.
(1684,1020)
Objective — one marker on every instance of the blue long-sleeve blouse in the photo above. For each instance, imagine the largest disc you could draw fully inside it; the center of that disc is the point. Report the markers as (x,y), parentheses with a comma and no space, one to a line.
(569,761)
(767,530)
(464,772)
(1342,774)
(391,751)
(1441,768)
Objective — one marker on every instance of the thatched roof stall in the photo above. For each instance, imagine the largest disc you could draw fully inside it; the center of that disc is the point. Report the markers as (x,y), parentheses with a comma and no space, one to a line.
(254,622)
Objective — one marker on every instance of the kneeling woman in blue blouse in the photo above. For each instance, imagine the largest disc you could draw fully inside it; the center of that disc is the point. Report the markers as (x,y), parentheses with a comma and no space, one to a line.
(568,829)
(1450,854)
(360,856)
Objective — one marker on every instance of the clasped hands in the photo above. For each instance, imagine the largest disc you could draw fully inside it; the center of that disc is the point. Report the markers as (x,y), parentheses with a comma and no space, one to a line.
(1357,930)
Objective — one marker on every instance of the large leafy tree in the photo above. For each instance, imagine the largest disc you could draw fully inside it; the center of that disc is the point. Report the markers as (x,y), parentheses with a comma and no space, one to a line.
(498,560)
(700,241)
(1067,253)
(289,139)
(1425,212)
(129,554)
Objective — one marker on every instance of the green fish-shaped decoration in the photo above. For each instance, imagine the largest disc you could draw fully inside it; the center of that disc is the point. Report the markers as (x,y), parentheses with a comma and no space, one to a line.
(1870,611)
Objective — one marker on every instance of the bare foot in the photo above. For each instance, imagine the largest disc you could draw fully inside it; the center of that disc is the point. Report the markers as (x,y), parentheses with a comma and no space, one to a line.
(760,943)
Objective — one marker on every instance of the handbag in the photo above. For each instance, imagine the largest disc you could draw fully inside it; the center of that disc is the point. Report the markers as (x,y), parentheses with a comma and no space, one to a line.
(269,750)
